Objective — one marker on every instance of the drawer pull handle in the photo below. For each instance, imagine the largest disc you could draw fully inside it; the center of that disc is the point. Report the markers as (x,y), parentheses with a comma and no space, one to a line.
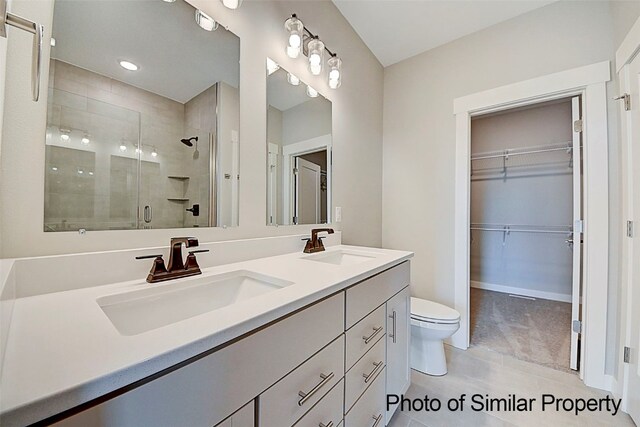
(378,419)
(393,318)
(329,424)
(368,376)
(376,331)
(306,396)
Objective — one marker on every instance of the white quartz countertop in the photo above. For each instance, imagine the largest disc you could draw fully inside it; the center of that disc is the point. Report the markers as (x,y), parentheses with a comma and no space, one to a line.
(63,350)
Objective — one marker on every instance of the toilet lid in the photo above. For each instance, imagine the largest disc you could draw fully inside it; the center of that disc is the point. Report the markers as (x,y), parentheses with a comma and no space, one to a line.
(429,311)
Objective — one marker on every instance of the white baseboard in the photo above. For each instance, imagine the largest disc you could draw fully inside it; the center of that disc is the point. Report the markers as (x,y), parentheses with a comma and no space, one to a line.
(521,291)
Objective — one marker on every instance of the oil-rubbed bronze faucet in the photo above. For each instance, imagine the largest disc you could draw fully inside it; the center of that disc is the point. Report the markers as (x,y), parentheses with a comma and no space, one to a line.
(314,244)
(177,268)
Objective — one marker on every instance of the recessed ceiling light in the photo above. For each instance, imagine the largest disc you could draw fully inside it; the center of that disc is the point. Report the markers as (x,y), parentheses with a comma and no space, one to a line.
(128,65)
(205,21)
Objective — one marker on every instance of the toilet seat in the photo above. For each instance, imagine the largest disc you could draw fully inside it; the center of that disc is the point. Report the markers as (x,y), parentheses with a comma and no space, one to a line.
(431,312)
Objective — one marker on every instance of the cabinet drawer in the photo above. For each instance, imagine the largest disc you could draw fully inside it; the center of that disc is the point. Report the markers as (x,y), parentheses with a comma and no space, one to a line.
(326,412)
(369,410)
(208,390)
(292,396)
(364,335)
(363,373)
(364,297)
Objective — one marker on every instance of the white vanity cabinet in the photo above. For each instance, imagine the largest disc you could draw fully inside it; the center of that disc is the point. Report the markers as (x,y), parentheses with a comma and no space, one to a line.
(330,363)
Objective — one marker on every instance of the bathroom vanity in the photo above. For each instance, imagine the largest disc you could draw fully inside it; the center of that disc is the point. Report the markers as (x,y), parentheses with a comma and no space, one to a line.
(295,339)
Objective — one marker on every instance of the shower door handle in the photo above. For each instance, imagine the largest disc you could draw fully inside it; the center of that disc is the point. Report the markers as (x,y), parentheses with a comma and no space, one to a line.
(148,214)
(8,18)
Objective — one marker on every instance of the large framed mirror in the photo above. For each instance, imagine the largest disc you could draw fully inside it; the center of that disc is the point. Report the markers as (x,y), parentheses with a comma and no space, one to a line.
(299,151)
(142,119)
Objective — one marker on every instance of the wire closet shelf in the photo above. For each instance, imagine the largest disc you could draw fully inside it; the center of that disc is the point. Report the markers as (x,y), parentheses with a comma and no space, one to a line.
(523,157)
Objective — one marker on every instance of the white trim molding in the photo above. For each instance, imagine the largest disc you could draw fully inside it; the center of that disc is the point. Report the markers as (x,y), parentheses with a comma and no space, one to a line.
(629,47)
(525,292)
(296,149)
(588,82)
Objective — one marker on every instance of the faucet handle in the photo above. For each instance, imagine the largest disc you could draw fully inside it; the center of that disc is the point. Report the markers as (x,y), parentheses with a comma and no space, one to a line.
(198,251)
(148,256)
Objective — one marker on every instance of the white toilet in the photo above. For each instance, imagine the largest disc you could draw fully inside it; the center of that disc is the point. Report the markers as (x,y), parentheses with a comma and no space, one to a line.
(430,324)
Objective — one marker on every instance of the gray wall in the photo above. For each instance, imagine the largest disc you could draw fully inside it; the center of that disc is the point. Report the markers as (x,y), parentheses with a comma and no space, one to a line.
(357,133)
(307,120)
(419,127)
(537,191)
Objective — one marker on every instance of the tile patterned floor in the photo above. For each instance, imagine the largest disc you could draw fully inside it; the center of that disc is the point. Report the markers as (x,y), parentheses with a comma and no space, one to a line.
(478,370)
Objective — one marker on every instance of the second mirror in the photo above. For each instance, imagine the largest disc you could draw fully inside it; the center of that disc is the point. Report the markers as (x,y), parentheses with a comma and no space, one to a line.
(299,151)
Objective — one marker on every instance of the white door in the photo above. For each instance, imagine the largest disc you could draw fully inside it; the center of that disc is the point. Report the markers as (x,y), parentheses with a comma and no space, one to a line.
(630,77)
(307,192)
(577,232)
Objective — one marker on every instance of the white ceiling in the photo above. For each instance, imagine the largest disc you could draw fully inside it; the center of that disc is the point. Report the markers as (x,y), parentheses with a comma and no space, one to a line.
(398,29)
(177,58)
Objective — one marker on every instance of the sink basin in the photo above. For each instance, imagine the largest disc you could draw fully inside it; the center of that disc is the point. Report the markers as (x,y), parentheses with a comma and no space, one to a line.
(341,257)
(142,310)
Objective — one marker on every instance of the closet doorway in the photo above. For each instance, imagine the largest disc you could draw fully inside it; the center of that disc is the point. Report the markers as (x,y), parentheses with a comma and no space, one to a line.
(526,232)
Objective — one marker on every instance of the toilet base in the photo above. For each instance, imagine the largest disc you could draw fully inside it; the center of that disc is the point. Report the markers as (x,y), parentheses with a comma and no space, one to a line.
(427,356)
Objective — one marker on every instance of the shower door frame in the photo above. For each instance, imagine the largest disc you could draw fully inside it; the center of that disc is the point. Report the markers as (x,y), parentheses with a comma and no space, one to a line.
(590,83)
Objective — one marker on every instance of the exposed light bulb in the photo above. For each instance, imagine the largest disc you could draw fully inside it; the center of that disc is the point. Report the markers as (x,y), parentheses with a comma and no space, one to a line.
(232,4)
(91,173)
(315,48)
(292,79)
(311,92)
(85,140)
(335,65)
(65,134)
(139,151)
(80,171)
(154,153)
(205,22)
(295,29)
(294,40)
(123,147)
(64,137)
(130,66)
(54,168)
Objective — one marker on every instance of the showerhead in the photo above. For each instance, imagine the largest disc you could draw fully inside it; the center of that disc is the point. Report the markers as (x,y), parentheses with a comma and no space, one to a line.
(188,141)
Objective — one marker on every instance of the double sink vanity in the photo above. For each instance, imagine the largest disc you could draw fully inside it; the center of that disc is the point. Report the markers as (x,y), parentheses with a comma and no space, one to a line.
(292,339)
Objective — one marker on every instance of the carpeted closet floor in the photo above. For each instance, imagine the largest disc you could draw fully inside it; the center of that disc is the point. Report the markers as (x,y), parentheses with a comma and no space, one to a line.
(537,331)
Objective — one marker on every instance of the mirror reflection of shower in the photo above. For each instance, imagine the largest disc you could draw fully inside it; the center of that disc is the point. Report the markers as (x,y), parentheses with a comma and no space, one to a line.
(189,143)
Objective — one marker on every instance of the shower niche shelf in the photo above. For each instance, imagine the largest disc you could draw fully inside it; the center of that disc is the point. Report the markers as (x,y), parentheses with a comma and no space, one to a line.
(179,177)
(177,199)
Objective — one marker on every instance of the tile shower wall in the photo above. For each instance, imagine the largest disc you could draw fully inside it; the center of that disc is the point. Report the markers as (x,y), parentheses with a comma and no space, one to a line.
(95,186)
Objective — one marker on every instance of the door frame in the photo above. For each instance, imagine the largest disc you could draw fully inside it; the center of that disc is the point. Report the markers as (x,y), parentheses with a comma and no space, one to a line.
(628,51)
(590,83)
(289,151)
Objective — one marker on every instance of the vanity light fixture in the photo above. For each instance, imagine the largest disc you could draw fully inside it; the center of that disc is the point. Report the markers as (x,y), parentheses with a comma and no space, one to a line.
(85,139)
(311,92)
(205,22)
(130,66)
(80,171)
(295,30)
(123,146)
(91,173)
(293,79)
(272,66)
(54,168)
(154,153)
(139,151)
(302,39)
(335,71)
(231,4)
(315,49)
